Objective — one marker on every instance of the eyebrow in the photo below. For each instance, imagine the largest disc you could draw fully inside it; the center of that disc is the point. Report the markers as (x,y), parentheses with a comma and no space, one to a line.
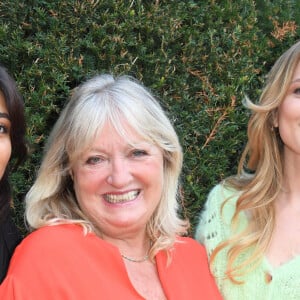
(4,115)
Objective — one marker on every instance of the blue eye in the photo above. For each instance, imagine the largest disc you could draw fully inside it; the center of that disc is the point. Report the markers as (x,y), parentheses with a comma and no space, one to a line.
(138,153)
(94,160)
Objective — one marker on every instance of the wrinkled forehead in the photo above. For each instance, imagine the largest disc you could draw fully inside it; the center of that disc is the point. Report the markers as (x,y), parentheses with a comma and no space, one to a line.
(120,130)
(126,115)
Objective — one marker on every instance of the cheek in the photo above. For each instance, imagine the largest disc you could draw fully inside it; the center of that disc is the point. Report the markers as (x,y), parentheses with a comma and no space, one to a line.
(289,110)
(5,152)
(84,183)
(289,120)
(156,174)
(84,192)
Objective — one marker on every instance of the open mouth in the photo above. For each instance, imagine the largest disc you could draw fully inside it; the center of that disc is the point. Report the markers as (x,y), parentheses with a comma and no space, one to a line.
(120,198)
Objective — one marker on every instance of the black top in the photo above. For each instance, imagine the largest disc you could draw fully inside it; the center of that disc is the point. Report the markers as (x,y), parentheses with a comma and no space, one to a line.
(9,238)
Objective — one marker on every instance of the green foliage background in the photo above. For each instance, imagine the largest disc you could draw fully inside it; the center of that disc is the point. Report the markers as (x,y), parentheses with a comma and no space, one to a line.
(199,57)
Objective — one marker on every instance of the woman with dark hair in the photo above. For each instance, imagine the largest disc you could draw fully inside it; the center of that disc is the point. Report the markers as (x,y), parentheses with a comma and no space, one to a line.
(12,146)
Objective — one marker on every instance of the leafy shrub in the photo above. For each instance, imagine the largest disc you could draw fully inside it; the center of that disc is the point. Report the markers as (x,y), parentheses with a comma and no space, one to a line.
(199,57)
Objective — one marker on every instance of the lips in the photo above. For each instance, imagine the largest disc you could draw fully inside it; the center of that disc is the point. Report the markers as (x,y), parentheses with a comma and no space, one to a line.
(121,198)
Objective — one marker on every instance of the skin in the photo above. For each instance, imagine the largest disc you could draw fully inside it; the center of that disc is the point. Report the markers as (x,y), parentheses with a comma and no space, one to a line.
(119,187)
(5,142)
(285,245)
(288,119)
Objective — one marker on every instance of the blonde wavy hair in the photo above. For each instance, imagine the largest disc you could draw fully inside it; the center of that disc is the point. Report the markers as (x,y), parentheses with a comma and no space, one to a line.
(101,99)
(262,156)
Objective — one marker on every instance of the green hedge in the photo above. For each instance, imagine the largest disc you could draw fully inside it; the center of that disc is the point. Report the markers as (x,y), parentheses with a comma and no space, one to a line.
(199,57)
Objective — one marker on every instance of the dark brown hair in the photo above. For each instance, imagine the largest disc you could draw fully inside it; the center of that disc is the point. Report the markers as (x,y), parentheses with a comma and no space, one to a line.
(15,106)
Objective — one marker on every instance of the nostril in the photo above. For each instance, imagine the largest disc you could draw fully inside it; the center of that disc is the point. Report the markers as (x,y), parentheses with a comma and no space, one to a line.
(119,175)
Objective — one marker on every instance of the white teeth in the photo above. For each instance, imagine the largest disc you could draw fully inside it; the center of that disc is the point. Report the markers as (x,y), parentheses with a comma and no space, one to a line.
(119,198)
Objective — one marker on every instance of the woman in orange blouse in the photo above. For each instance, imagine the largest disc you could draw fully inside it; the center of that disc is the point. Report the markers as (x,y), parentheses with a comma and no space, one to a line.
(103,208)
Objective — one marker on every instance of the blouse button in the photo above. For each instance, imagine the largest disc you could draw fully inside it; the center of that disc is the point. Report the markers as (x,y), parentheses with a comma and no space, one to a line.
(268,277)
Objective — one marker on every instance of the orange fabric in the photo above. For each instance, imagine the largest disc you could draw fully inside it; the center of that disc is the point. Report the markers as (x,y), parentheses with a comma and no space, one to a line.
(60,263)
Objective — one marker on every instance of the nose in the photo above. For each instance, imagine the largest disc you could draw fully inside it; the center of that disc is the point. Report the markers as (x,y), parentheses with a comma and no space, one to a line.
(119,174)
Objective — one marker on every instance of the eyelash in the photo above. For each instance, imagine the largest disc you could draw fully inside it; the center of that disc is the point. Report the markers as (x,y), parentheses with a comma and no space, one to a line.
(94,160)
(297,91)
(3,129)
(138,152)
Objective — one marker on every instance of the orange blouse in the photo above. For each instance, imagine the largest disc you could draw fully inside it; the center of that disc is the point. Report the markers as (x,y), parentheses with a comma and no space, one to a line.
(60,262)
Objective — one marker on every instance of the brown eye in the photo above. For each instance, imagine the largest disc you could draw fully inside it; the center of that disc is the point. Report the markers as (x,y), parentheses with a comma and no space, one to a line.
(3,129)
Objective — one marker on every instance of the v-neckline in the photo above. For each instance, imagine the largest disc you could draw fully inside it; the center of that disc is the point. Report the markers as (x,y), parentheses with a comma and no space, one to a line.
(278,268)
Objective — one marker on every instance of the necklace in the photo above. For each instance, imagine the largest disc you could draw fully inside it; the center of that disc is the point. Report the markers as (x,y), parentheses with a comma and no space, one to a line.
(137,260)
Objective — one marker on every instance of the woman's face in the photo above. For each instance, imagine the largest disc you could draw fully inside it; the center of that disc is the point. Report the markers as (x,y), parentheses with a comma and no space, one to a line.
(288,117)
(5,143)
(119,185)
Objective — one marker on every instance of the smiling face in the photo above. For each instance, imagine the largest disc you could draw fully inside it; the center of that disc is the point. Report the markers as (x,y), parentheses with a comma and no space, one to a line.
(5,142)
(288,117)
(118,184)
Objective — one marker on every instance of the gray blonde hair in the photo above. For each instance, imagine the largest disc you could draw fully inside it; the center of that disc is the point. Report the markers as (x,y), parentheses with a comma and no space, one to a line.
(51,200)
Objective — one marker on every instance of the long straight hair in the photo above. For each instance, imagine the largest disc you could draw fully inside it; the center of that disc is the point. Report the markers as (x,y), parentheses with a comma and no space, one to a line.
(15,107)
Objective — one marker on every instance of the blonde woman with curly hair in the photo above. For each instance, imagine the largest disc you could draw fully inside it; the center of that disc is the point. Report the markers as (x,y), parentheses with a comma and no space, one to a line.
(104,206)
(251,222)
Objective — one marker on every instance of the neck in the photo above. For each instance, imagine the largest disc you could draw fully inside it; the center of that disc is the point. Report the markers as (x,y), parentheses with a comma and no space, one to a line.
(132,249)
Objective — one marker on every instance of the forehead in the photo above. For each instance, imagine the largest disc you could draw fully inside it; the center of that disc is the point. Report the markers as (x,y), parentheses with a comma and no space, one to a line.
(107,135)
(121,132)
